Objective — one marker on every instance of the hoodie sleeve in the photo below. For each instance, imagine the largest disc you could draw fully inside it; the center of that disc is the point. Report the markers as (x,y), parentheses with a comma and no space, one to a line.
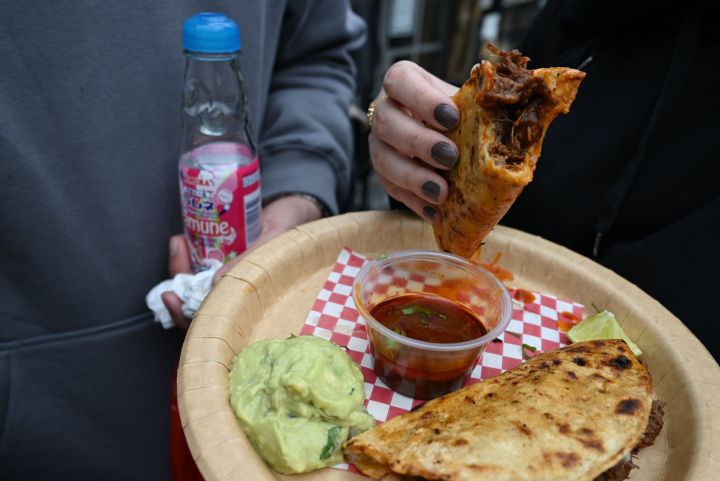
(306,141)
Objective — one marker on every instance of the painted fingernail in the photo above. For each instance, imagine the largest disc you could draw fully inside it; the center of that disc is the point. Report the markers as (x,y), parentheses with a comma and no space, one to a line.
(431,190)
(444,153)
(447,116)
(430,213)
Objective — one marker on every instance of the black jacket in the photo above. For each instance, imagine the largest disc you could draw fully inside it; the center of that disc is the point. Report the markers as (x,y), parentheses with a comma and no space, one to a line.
(630,175)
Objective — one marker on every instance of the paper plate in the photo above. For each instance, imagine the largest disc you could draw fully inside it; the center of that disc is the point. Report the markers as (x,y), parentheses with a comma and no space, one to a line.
(270,292)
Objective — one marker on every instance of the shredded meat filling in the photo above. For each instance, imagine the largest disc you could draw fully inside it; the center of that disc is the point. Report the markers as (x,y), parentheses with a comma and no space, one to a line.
(519,103)
(619,472)
(655,424)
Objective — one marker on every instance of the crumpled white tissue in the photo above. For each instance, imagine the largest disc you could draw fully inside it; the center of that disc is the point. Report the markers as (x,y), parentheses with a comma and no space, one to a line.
(190,288)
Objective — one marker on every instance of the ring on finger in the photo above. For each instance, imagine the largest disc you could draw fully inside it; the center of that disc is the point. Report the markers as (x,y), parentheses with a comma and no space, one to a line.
(371,110)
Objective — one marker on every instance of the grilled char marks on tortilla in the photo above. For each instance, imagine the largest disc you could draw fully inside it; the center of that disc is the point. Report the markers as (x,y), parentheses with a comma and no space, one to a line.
(519,103)
(533,422)
(655,424)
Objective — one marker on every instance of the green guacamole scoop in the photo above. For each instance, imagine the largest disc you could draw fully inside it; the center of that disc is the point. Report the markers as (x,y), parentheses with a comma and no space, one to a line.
(298,400)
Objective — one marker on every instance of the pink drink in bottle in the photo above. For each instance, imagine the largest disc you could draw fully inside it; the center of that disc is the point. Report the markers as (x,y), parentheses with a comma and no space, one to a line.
(219,170)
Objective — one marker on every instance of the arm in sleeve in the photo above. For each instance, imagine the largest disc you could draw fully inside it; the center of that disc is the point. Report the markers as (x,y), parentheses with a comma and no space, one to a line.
(306,141)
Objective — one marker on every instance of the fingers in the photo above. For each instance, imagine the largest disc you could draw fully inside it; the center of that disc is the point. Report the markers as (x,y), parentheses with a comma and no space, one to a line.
(414,203)
(179,261)
(407,174)
(174,306)
(406,142)
(409,136)
(278,217)
(422,93)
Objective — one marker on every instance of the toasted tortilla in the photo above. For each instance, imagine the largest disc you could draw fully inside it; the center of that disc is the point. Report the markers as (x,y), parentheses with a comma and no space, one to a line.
(564,415)
(505,111)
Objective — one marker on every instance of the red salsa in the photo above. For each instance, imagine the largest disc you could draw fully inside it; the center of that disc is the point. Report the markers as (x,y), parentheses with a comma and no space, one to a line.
(419,373)
(524,296)
(428,317)
(494,267)
(567,320)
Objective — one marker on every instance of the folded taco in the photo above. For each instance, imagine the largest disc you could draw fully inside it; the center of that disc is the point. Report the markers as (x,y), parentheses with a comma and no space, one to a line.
(505,110)
(575,414)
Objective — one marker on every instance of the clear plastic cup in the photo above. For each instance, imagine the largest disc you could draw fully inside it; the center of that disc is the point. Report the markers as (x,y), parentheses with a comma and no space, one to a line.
(417,368)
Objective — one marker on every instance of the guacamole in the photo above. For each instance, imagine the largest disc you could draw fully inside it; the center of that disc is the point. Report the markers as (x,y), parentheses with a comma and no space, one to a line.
(298,400)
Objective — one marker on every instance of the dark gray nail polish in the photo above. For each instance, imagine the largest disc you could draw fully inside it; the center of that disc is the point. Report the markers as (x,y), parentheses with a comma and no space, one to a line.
(444,153)
(431,190)
(430,213)
(447,116)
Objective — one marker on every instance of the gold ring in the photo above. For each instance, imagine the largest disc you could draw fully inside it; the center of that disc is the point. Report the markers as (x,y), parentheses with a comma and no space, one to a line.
(371,110)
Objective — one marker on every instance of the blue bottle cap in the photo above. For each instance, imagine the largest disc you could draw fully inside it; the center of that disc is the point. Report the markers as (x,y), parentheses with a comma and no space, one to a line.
(211,33)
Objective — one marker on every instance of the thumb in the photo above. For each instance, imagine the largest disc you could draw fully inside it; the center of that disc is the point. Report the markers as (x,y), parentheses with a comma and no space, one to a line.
(174,306)
(179,261)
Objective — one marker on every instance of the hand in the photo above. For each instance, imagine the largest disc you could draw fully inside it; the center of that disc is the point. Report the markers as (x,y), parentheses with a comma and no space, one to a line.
(405,142)
(277,217)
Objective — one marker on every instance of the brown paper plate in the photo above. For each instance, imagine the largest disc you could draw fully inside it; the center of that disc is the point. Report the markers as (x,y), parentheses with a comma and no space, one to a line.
(270,292)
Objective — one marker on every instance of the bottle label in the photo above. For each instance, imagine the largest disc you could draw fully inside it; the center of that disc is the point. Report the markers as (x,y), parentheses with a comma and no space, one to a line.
(221,202)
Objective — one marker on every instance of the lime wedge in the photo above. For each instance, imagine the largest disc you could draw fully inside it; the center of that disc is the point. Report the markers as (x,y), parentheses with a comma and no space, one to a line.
(602,325)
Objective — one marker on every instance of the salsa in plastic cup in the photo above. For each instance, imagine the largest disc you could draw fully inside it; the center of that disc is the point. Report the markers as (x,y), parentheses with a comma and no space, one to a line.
(429,317)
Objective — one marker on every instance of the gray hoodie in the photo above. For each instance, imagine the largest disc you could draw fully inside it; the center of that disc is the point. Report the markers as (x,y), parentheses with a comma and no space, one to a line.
(89,137)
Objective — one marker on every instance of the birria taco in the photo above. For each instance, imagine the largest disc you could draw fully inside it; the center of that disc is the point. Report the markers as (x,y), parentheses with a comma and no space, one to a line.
(573,414)
(505,110)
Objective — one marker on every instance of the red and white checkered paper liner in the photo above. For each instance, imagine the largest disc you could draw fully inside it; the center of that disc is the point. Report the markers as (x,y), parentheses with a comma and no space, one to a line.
(334,317)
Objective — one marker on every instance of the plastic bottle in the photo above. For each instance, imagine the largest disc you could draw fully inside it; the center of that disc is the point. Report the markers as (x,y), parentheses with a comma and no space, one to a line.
(218,169)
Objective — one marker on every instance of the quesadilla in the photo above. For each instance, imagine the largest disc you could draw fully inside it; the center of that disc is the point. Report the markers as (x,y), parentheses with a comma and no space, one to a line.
(505,110)
(573,414)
